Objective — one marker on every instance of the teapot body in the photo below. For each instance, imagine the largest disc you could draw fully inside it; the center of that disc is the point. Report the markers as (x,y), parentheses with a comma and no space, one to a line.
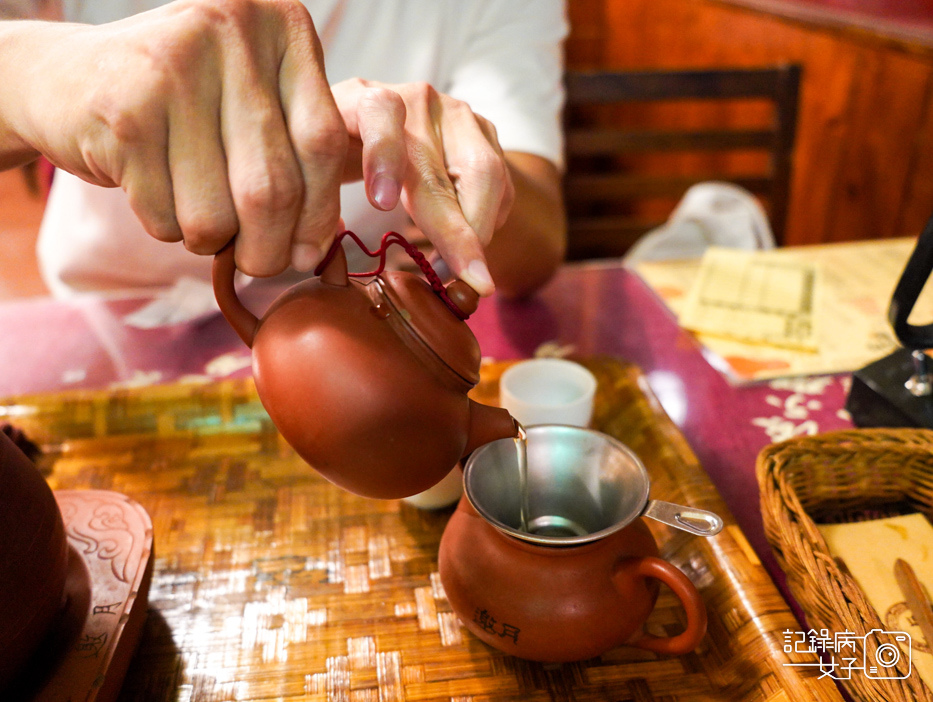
(368,382)
(354,401)
(546,603)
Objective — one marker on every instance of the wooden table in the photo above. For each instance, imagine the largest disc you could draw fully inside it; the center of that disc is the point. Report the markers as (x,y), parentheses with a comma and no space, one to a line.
(167,416)
(272,584)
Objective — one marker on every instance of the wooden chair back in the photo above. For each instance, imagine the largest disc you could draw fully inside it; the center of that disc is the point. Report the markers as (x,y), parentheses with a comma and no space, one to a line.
(636,141)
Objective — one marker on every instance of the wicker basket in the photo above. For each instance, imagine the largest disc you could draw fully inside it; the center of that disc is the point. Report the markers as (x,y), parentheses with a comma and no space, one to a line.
(838,477)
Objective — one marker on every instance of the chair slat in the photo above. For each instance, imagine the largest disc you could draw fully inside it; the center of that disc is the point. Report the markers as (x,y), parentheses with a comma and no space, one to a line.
(594,142)
(601,188)
(632,86)
(597,227)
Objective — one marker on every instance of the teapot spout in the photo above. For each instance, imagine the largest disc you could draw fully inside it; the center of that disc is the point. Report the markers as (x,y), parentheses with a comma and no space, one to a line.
(487,424)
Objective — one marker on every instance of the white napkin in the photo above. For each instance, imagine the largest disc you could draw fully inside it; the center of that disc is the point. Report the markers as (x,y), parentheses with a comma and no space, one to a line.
(709,214)
(188,300)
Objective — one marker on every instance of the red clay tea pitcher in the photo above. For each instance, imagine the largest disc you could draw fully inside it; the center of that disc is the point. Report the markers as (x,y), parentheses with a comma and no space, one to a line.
(585,575)
(368,381)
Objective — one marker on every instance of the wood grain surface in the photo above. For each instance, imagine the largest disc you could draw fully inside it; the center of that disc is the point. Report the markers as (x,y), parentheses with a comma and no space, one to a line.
(272,584)
(863,163)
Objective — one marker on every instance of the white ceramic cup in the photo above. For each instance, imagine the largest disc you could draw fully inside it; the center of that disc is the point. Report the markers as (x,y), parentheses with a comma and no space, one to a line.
(442,494)
(548,391)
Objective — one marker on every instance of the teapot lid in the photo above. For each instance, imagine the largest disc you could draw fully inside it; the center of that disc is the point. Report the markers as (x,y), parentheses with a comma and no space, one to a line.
(432,314)
(430,319)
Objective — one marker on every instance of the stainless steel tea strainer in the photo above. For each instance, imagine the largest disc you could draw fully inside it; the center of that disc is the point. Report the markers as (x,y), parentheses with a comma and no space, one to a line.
(582,485)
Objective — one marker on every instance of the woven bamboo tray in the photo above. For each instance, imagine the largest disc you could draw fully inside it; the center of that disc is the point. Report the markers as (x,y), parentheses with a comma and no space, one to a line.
(272,584)
(840,477)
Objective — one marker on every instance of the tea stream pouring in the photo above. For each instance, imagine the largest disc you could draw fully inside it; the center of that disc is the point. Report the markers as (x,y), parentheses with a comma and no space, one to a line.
(368,381)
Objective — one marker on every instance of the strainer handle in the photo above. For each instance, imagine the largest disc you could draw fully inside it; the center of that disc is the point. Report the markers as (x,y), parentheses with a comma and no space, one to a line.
(696,521)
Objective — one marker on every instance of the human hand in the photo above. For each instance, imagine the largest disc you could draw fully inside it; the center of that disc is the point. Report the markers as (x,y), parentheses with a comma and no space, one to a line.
(214,116)
(444,161)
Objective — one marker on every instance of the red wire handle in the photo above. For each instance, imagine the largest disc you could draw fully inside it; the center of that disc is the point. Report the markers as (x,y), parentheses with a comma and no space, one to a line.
(389,238)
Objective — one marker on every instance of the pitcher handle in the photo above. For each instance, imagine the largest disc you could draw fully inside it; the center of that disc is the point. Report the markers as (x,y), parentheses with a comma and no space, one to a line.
(689,596)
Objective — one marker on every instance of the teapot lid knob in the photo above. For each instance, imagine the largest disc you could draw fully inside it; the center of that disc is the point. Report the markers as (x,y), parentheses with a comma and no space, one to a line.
(465,298)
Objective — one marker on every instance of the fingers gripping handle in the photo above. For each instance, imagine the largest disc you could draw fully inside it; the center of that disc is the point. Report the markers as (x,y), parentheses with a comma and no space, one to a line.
(686,641)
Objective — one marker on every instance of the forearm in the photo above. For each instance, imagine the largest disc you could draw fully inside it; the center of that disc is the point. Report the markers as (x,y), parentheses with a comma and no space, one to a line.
(527,250)
(21,42)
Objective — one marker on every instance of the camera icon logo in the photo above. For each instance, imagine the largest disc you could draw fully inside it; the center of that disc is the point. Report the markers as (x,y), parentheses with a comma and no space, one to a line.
(882,657)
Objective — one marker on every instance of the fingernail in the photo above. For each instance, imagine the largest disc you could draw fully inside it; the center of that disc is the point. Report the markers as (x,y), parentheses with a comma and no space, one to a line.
(385,192)
(477,277)
(305,256)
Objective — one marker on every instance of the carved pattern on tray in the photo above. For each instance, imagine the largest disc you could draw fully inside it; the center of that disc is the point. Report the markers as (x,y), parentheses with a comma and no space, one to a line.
(111,541)
(105,530)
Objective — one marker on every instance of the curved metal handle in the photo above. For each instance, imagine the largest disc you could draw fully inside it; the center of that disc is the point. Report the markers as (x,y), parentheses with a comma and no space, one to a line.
(696,521)
(918,269)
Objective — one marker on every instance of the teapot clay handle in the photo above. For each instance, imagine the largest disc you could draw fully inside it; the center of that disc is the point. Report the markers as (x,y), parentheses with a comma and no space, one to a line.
(244,322)
(689,596)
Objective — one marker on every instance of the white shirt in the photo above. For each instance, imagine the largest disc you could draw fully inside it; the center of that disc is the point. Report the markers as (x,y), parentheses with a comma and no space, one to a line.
(503,57)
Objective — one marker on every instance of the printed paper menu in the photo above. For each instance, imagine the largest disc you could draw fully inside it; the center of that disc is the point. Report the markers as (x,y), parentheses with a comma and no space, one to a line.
(852,291)
(756,298)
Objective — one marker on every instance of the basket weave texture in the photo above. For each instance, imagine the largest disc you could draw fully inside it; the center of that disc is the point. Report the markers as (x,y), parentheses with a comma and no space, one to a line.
(838,477)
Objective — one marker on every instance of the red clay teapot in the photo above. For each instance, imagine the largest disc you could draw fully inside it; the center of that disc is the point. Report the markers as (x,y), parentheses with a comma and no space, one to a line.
(368,381)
